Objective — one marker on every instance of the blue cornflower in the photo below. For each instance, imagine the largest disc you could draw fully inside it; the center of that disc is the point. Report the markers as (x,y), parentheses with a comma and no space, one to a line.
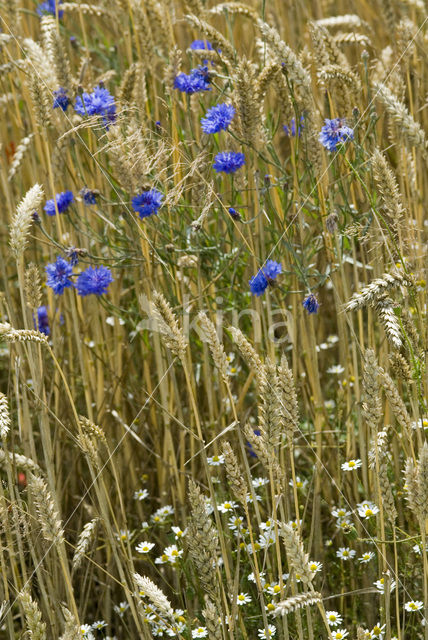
(228,161)
(89,197)
(59,273)
(272,269)
(99,102)
(234,214)
(147,203)
(198,80)
(61,99)
(63,201)
(42,323)
(291,130)
(218,118)
(335,132)
(264,277)
(94,280)
(311,304)
(49,7)
(201,44)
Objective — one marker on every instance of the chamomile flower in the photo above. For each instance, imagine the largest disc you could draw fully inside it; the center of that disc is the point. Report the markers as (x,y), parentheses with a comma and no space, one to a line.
(343,524)
(336,369)
(300,484)
(274,589)
(86,631)
(216,461)
(367,509)
(225,507)
(378,631)
(235,522)
(121,608)
(345,553)
(161,514)
(100,624)
(417,548)
(268,525)
(179,533)
(340,512)
(351,465)
(141,494)
(144,547)
(266,539)
(339,634)
(124,535)
(242,598)
(380,585)
(315,566)
(333,618)
(269,633)
(200,632)
(172,553)
(366,557)
(252,578)
(259,482)
(414,605)
(422,423)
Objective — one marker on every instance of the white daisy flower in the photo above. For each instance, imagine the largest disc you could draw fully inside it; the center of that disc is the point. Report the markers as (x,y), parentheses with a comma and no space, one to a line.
(367,510)
(179,533)
(315,566)
(200,632)
(351,465)
(86,631)
(236,523)
(333,618)
(340,512)
(100,624)
(378,631)
(345,553)
(144,547)
(414,605)
(252,578)
(259,482)
(141,494)
(380,585)
(216,461)
(172,553)
(336,368)
(366,557)
(339,634)
(121,608)
(242,598)
(262,633)
(300,484)
(225,507)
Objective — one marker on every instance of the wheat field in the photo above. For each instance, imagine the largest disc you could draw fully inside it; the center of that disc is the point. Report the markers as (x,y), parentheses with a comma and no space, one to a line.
(213,319)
